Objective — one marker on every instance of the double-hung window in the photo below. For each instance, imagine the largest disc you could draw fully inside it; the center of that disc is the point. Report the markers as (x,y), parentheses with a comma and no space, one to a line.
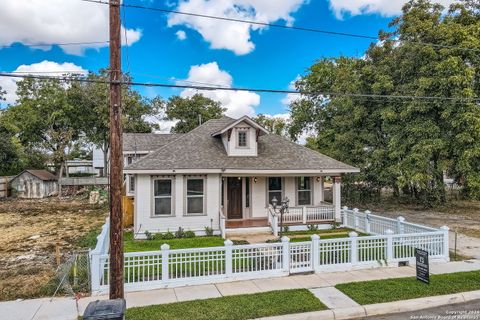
(131,184)
(304,191)
(162,195)
(275,189)
(242,138)
(195,196)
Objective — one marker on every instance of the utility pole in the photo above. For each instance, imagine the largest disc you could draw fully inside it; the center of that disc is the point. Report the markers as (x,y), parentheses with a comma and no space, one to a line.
(116,160)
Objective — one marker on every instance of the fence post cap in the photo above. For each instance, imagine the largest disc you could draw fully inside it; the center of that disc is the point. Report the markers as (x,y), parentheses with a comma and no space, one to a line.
(355,209)
(228,242)
(315,237)
(389,231)
(345,208)
(401,219)
(165,246)
(445,228)
(285,239)
(368,212)
(353,234)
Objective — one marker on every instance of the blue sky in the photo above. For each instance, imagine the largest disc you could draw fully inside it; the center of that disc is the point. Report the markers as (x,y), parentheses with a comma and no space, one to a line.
(158,55)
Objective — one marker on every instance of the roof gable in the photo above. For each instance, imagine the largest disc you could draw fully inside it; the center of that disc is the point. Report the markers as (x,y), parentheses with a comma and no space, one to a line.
(245,119)
(43,175)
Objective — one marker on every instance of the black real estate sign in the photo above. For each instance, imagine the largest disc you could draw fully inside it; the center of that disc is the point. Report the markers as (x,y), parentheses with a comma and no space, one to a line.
(422,266)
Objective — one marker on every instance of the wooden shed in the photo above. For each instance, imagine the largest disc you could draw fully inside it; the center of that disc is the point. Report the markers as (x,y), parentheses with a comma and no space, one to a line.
(35,184)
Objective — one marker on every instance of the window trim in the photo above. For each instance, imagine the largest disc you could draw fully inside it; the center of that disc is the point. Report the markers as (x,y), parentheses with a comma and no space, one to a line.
(186,196)
(241,130)
(268,190)
(172,198)
(310,190)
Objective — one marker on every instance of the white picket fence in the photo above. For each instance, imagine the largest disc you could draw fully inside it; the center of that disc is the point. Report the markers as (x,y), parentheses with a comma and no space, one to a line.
(165,267)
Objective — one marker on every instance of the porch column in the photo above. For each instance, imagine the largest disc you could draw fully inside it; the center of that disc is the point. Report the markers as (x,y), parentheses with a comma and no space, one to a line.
(337,199)
(321,195)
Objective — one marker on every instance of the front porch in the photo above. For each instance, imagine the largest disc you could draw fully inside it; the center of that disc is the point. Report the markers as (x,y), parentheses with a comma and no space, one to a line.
(246,201)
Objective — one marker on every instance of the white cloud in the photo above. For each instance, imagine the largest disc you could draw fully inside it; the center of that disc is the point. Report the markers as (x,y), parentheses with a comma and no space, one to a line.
(234,36)
(181,35)
(291,97)
(53,69)
(57,21)
(238,103)
(383,7)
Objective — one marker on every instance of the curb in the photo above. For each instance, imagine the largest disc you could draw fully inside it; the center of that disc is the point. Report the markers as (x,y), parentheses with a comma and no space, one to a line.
(383,308)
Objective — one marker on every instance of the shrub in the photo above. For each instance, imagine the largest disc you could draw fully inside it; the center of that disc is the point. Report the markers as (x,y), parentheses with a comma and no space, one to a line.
(180,233)
(312,227)
(189,234)
(168,236)
(208,231)
(149,235)
(285,229)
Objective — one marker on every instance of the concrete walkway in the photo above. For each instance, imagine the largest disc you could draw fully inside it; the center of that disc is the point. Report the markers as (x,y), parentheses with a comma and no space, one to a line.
(321,285)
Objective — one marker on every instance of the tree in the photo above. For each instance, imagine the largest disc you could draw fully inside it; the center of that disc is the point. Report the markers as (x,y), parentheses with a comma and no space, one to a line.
(274,125)
(403,144)
(43,118)
(92,110)
(191,111)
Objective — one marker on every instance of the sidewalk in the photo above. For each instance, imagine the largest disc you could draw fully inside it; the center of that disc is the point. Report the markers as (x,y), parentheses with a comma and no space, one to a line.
(321,284)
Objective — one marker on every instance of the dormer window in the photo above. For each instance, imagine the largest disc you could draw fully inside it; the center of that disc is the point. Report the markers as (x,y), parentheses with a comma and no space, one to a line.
(242,138)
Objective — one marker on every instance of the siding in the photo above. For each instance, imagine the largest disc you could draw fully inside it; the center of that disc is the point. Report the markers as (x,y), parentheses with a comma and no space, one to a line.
(144,219)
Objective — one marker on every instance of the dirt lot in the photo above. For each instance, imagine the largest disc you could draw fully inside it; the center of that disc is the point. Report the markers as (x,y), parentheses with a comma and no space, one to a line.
(29,233)
(458,215)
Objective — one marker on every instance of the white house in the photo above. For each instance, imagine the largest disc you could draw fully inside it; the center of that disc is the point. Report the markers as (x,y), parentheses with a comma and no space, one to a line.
(224,175)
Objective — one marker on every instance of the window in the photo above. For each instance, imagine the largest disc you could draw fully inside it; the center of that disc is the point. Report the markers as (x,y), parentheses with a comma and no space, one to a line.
(275,189)
(242,138)
(162,194)
(131,185)
(195,196)
(304,191)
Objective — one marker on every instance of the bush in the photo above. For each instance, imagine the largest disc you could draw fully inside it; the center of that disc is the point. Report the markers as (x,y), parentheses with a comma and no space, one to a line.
(189,234)
(149,235)
(208,231)
(180,233)
(312,227)
(167,236)
(285,229)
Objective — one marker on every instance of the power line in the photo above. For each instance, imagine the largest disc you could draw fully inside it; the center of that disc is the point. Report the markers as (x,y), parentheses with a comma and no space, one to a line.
(256,90)
(54,44)
(275,25)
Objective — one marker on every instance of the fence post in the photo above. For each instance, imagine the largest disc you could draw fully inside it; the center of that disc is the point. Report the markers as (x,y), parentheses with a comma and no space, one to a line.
(95,270)
(354,248)
(315,253)
(304,215)
(367,221)
(286,253)
(389,233)
(355,218)
(400,225)
(275,225)
(165,260)
(222,225)
(446,248)
(228,258)
(342,215)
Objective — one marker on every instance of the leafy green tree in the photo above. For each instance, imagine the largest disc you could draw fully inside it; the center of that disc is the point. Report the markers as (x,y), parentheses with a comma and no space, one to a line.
(403,144)
(274,125)
(191,111)
(91,101)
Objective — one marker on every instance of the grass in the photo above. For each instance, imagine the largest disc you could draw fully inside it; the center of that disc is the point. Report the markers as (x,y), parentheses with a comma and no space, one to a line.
(239,307)
(132,245)
(89,240)
(319,232)
(379,291)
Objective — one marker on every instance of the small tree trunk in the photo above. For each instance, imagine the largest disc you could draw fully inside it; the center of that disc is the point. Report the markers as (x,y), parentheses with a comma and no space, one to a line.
(60,174)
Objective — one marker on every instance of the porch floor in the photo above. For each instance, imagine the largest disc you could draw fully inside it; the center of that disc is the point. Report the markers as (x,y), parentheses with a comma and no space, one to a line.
(246,223)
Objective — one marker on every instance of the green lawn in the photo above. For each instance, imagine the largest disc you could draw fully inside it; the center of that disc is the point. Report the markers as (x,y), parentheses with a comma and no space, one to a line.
(239,307)
(131,245)
(319,232)
(379,291)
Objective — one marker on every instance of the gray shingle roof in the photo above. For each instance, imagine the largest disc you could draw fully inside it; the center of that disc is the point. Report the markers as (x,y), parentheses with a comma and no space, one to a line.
(199,150)
(147,141)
